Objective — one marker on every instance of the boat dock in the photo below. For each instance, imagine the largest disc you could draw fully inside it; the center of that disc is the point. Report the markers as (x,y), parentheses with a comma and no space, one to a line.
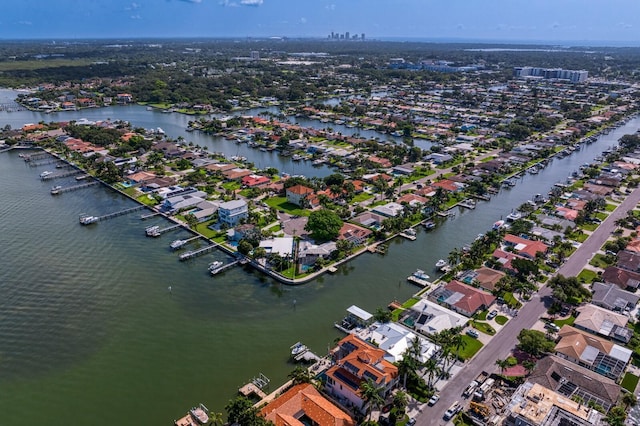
(418,281)
(468,204)
(408,236)
(225,267)
(255,387)
(43,162)
(112,215)
(184,242)
(169,228)
(61,175)
(73,187)
(38,156)
(150,215)
(199,252)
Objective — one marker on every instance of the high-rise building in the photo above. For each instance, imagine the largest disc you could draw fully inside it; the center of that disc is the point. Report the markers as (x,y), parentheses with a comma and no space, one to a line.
(362,36)
(346,35)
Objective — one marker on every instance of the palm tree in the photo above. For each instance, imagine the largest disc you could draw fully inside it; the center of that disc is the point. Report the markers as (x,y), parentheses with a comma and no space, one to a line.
(400,401)
(502,363)
(410,360)
(629,400)
(370,393)
(431,370)
(300,375)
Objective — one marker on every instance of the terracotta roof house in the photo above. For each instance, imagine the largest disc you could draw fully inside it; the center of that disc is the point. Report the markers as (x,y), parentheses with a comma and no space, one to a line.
(592,352)
(524,247)
(357,361)
(220,167)
(567,213)
(569,380)
(354,234)
(448,185)
(598,189)
(462,298)
(141,177)
(613,298)
(297,194)
(380,162)
(412,199)
(484,277)
(236,173)
(252,181)
(504,258)
(634,245)
(303,404)
(621,277)
(601,321)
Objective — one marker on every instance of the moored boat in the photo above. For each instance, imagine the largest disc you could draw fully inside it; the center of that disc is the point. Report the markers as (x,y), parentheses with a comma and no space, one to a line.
(298,348)
(200,414)
(441,263)
(176,244)
(45,173)
(88,220)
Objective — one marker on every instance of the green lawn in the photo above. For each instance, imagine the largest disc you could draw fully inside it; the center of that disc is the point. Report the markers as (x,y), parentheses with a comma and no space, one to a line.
(470,348)
(600,261)
(610,207)
(589,226)
(587,276)
(601,215)
(483,327)
(567,321)
(363,196)
(581,238)
(231,185)
(630,382)
(482,316)
(147,200)
(511,300)
(502,320)
(281,203)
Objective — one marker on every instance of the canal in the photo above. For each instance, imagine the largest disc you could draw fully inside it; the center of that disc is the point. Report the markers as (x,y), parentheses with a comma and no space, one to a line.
(90,333)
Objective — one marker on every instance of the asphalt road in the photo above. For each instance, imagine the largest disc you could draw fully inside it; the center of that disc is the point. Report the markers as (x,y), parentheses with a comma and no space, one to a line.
(503,342)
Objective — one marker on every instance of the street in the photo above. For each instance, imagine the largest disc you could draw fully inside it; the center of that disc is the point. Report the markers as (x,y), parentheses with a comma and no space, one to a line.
(503,342)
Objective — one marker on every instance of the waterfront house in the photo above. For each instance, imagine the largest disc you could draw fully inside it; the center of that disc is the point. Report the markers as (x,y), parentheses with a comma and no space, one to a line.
(524,247)
(303,404)
(204,210)
(412,199)
(355,234)
(236,173)
(298,194)
(309,253)
(603,322)
(282,246)
(504,259)
(613,298)
(395,340)
(124,98)
(356,361)
(592,352)
(252,181)
(449,185)
(430,318)
(183,201)
(370,220)
(570,379)
(485,278)
(230,213)
(245,231)
(462,298)
(388,210)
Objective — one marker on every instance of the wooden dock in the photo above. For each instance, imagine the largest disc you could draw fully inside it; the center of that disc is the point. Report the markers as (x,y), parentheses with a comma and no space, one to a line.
(169,228)
(61,175)
(37,156)
(43,162)
(417,281)
(251,389)
(73,187)
(225,267)
(199,252)
(150,215)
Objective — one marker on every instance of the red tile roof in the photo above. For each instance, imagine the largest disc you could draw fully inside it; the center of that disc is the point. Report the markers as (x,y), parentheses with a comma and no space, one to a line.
(473,299)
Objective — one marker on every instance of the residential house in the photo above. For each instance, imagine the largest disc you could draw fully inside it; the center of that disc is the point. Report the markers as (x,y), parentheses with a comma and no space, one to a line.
(124,98)
(534,405)
(230,213)
(302,405)
(204,210)
(395,340)
(309,253)
(430,318)
(504,259)
(485,278)
(623,278)
(370,220)
(404,169)
(380,162)
(613,298)
(169,149)
(282,246)
(592,352)
(252,181)
(603,322)
(298,194)
(412,200)
(236,173)
(462,298)
(355,234)
(572,380)
(388,210)
(449,185)
(524,247)
(628,260)
(357,361)
(245,231)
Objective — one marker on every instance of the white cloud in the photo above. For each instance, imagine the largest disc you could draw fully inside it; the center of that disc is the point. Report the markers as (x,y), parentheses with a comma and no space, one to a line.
(25,22)
(251,2)
(303,20)
(133,6)
(330,6)
(227,3)
(136,17)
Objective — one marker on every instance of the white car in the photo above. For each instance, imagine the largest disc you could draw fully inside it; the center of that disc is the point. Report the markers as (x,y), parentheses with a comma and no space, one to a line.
(434,399)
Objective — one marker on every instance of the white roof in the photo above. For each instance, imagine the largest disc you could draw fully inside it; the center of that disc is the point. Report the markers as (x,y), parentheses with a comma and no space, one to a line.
(620,353)
(282,246)
(359,312)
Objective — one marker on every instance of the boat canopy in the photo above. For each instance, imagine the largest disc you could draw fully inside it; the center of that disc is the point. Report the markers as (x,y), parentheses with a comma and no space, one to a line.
(359,312)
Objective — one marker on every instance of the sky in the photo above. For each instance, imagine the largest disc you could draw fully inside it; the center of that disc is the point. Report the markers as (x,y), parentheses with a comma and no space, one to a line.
(578,21)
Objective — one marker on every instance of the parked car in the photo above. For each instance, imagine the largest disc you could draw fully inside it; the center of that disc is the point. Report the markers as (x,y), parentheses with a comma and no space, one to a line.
(434,399)
(452,410)
(492,314)
(472,333)
(411,422)
(551,326)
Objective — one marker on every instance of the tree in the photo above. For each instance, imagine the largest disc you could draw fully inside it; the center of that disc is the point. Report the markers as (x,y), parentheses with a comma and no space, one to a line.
(502,363)
(324,225)
(191,220)
(370,393)
(534,342)
(616,416)
(300,375)
(244,247)
(382,315)
(400,401)
(629,400)
(241,410)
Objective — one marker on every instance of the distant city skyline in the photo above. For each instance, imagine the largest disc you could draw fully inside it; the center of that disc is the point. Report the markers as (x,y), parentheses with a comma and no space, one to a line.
(616,22)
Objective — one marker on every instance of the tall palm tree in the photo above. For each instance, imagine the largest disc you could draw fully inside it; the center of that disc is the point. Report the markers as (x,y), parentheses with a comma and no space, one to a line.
(371,395)
(431,370)
(300,375)
(629,400)
(502,363)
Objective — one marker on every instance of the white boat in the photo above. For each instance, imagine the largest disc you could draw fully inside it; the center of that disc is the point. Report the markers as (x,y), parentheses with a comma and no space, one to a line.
(499,224)
(420,274)
(441,263)
(298,348)
(215,267)
(513,216)
(153,231)
(149,108)
(56,189)
(200,414)
(88,220)
(175,245)
(410,231)
(82,177)
(429,225)
(296,157)
(45,173)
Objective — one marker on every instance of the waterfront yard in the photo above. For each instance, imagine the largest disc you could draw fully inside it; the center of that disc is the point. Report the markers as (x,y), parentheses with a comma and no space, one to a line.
(281,204)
